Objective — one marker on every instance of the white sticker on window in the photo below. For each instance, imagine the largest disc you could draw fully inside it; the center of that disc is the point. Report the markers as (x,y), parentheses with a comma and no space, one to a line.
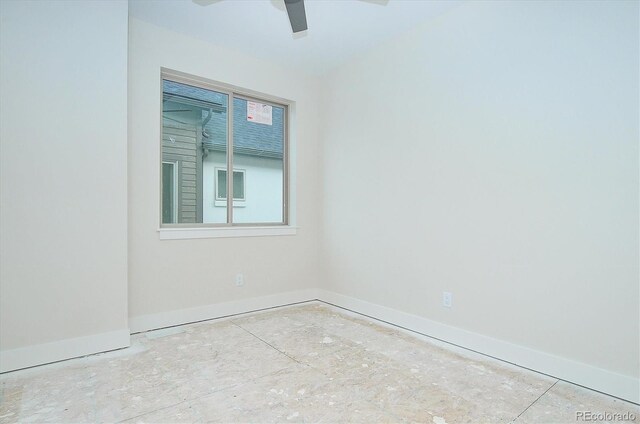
(259,113)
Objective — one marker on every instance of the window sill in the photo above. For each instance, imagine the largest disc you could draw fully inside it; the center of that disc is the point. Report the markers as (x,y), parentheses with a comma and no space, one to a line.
(236,203)
(218,232)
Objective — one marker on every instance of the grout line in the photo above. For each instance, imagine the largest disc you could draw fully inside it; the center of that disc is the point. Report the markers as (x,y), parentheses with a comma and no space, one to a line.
(180,403)
(475,351)
(324,372)
(202,396)
(269,344)
(532,403)
(176,404)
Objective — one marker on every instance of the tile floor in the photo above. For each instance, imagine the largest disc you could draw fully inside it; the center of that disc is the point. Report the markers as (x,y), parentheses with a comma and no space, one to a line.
(305,363)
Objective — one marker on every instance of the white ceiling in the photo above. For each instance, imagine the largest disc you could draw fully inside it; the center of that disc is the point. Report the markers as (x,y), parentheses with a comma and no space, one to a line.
(338,29)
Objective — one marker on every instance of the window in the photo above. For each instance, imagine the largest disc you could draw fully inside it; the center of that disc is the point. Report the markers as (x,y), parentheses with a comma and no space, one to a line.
(208,129)
(238,185)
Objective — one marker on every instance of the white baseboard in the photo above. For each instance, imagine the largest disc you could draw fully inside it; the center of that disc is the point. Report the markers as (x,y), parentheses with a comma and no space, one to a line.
(29,356)
(618,385)
(218,310)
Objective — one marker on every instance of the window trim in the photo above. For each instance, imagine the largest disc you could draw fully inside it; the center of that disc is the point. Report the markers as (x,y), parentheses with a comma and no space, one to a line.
(249,95)
(185,233)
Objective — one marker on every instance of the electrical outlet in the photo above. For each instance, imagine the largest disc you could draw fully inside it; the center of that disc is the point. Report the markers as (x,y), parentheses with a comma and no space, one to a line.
(239,280)
(447,299)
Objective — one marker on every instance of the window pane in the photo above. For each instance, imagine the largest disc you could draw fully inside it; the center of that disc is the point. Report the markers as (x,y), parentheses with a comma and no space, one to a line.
(168,199)
(258,149)
(222,185)
(238,185)
(194,136)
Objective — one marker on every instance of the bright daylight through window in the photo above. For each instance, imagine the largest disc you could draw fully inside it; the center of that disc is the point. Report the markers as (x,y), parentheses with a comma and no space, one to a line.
(205,132)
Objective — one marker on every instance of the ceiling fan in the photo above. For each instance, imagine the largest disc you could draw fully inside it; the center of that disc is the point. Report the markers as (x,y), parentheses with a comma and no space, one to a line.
(295,10)
(297,15)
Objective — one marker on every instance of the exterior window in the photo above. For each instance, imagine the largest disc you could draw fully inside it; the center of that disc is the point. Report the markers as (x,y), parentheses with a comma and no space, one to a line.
(169,199)
(238,185)
(207,130)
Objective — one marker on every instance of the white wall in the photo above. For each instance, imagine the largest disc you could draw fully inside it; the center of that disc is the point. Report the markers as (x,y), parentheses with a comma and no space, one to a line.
(170,275)
(63,231)
(493,153)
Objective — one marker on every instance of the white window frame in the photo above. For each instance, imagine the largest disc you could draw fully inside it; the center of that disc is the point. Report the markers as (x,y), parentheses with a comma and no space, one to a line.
(230,228)
(175,188)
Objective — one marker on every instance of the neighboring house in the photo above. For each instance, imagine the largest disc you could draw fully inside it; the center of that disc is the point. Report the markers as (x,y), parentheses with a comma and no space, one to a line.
(194,156)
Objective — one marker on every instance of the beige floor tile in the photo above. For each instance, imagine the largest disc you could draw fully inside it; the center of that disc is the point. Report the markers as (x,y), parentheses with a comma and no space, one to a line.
(182,367)
(304,342)
(52,395)
(307,363)
(297,394)
(414,379)
(568,403)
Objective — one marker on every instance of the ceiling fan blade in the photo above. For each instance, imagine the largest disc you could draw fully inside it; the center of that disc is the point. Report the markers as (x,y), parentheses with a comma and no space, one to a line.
(297,15)
(205,2)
